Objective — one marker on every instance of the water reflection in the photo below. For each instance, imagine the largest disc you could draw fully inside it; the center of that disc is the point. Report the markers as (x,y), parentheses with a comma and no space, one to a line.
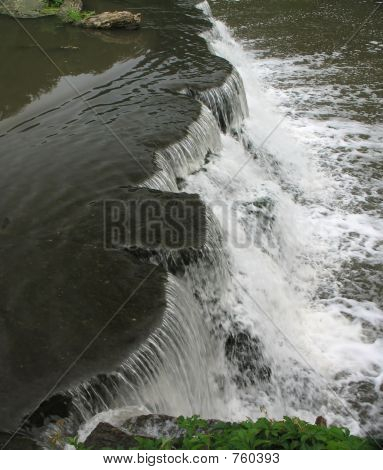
(71,135)
(28,72)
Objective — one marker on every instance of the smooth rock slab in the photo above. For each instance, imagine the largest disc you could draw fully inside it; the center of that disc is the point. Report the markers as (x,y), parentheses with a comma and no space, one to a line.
(111,20)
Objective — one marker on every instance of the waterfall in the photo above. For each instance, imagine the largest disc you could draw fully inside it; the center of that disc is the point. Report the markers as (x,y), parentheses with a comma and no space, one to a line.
(226,345)
(227,102)
(182,367)
(315,357)
(186,156)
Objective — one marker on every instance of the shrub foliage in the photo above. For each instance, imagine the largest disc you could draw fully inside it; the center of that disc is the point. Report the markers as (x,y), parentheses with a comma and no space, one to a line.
(263,434)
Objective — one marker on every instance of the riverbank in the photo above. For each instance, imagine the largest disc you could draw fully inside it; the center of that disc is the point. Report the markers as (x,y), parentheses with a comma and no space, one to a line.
(156,432)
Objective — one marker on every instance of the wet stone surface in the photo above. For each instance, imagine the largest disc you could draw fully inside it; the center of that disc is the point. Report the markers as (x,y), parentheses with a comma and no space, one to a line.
(70,135)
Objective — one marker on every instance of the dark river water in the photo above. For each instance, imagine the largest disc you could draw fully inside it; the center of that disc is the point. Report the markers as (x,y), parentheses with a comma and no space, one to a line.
(82,113)
(285,154)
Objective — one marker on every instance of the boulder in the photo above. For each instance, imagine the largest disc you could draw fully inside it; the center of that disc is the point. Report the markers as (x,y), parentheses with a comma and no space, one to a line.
(111,20)
(106,436)
(320,421)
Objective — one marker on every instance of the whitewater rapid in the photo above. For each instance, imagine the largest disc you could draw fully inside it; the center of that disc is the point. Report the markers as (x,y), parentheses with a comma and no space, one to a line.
(294,210)
(258,326)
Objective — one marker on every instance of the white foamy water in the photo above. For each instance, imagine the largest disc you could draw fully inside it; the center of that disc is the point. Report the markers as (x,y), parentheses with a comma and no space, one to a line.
(307,332)
(323,340)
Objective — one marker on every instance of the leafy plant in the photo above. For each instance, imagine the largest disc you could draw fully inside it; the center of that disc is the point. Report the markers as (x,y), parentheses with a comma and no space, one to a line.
(263,434)
(73,16)
(73,441)
(153,444)
(76,16)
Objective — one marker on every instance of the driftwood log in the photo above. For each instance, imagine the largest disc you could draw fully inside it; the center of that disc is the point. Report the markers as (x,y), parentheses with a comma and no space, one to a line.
(112,20)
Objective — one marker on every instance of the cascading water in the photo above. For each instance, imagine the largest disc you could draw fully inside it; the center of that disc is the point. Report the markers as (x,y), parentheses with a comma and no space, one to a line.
(186,156)
(181,368)
(227,103)
(245,333)
(325,355)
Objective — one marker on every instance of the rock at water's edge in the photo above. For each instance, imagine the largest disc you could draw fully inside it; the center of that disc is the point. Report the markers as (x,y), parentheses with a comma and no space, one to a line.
(107,436)
(320,421)
(150,426)
(114,19)
(154,426)
(145,426)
